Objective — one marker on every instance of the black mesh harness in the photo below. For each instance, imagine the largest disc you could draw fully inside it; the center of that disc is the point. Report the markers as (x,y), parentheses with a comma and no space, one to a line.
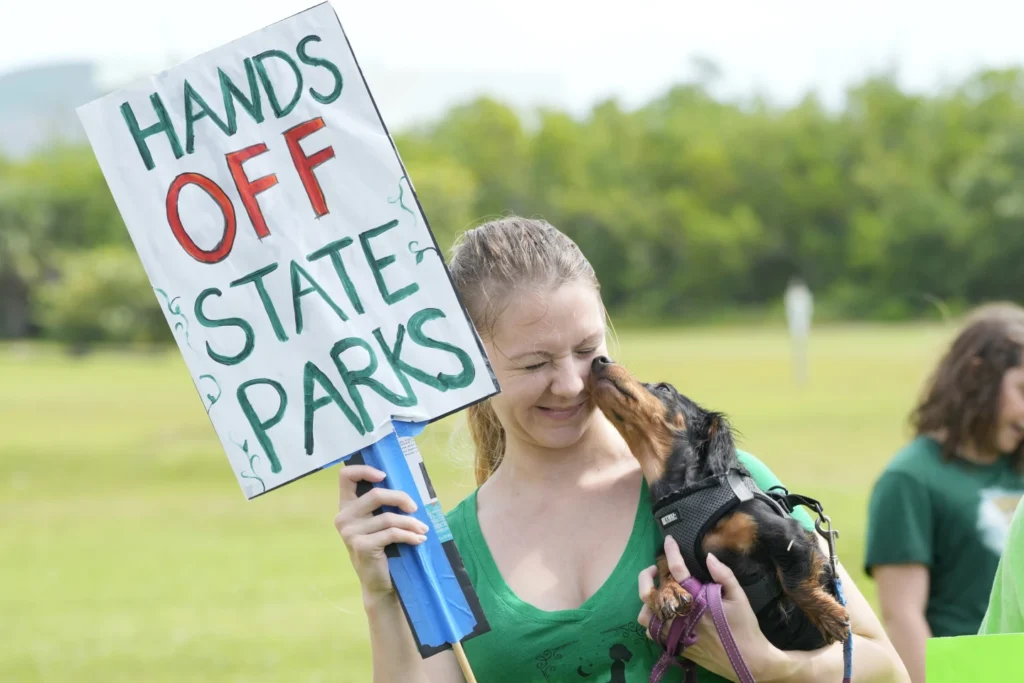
(689,513)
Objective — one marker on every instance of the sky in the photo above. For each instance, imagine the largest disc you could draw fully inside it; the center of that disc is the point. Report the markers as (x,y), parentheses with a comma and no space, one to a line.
(563,53)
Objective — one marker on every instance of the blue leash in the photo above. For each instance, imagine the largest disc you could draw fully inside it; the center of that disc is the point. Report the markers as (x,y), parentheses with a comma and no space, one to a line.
(848,645)
(830,536)
(790,501)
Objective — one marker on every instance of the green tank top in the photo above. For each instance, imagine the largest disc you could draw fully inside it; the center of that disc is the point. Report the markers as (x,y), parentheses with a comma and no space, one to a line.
(601,640)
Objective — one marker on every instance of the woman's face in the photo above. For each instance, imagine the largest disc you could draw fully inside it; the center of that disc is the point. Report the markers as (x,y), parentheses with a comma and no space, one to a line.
(1010,425)
(541,351)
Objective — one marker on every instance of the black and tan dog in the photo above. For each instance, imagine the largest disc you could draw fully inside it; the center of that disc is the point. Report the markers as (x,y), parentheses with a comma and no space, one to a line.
(679,445)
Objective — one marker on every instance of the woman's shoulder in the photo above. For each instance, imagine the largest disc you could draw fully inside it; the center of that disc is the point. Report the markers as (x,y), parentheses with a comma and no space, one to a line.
(457,516)
(766,479)
(918,463)
(759,471)
(921,452)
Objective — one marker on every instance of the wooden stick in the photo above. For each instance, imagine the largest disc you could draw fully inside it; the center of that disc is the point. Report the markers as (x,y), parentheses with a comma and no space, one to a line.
(460,654)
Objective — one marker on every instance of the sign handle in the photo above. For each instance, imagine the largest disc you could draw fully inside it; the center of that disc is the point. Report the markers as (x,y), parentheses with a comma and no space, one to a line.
(437,597)
(460,654)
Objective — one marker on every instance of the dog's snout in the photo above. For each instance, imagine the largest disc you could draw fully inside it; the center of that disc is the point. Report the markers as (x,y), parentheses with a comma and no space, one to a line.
(600,362)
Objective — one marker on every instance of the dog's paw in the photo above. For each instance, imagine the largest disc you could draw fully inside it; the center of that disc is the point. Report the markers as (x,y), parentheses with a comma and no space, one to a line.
(671,600)
(833,622)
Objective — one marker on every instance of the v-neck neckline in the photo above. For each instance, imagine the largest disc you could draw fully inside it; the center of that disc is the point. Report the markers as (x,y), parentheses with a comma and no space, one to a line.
(641,519)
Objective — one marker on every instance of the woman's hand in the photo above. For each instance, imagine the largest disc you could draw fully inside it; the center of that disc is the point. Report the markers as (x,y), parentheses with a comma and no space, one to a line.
(365,534)
(765,661)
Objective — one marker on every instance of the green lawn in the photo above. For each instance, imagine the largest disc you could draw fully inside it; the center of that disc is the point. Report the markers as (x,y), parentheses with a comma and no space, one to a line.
(130,554)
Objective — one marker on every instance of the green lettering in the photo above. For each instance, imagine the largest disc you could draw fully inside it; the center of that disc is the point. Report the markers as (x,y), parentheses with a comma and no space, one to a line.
(312,374)
(230,92)
(163,125)
(256,277)
(191,117)
(393,356)
(316,61)
(269,87)
(354,378)
(298,293)
(260,427)
(441,381)
(377,265)
(333,250)
(250,337)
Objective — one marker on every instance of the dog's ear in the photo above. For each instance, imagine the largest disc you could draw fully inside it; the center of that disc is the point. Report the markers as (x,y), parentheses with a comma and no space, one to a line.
(718,438)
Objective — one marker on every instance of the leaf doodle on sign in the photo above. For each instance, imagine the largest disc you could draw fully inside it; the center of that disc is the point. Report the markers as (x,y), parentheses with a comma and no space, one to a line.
(252,458)
(419,252)
(175,309)
(213,399)
(399,199)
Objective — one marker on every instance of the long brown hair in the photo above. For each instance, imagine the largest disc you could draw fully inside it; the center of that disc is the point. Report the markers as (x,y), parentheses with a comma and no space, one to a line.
(489,264)
(961,399)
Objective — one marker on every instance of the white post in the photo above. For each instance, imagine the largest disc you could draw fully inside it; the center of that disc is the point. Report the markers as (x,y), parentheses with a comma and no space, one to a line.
(799,310)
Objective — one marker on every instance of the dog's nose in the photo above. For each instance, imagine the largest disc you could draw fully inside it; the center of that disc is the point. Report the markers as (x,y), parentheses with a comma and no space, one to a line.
(600,362)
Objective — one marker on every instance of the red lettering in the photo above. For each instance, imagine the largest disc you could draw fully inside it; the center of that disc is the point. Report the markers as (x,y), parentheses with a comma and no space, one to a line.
(227,240)
(305,164)
(248,189)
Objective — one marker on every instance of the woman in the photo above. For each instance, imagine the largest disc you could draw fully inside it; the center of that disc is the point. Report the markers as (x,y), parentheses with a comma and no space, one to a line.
(940,511)
(559,533)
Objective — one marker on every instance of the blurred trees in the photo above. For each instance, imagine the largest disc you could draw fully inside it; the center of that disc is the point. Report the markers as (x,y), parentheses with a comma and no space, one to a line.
(688,207)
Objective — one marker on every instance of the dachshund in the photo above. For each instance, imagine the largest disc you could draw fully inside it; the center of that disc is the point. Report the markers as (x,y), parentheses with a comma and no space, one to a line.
(681,447)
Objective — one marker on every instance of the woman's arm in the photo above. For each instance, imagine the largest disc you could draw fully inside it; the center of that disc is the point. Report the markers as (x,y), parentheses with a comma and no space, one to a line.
(874,657)
(393,649)
(903,596)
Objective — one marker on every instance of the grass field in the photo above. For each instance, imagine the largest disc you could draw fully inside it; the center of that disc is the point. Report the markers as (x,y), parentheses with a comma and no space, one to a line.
(129,553)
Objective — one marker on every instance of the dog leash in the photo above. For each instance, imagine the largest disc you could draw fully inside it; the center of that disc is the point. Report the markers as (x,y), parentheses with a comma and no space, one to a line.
(790,501)
(682,634)
(830,536)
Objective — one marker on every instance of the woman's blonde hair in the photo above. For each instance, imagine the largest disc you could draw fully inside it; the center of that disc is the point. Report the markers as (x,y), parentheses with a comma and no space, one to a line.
(489,264)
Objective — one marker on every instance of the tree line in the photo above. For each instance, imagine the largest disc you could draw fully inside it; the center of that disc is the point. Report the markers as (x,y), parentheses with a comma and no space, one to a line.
(691,207)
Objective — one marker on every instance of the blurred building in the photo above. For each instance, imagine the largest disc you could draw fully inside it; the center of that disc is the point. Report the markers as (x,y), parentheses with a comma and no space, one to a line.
(37,104)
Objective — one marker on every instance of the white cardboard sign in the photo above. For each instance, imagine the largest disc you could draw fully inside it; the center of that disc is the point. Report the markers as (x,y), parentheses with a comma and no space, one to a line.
(284,241)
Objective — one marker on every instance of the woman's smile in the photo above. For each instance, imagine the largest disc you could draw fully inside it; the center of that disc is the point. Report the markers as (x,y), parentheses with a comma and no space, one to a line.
(561,414)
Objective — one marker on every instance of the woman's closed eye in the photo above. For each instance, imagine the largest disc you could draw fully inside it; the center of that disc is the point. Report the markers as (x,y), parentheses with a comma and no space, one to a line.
(533,364)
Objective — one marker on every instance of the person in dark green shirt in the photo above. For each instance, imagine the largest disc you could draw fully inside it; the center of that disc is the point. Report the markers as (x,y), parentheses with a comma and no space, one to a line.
(559,533)
(940,512)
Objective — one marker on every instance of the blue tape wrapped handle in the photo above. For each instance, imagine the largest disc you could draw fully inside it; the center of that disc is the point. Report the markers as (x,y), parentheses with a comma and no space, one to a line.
(433,587)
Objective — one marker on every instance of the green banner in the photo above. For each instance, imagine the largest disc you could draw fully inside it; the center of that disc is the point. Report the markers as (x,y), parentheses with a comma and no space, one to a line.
(977,659)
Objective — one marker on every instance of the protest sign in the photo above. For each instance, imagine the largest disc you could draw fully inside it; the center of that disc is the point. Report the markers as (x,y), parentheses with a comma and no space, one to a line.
(285,243)
(975,658)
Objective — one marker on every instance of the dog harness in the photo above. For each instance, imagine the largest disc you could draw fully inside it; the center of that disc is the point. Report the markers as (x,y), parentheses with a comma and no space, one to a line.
(687,515)
(690,513)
